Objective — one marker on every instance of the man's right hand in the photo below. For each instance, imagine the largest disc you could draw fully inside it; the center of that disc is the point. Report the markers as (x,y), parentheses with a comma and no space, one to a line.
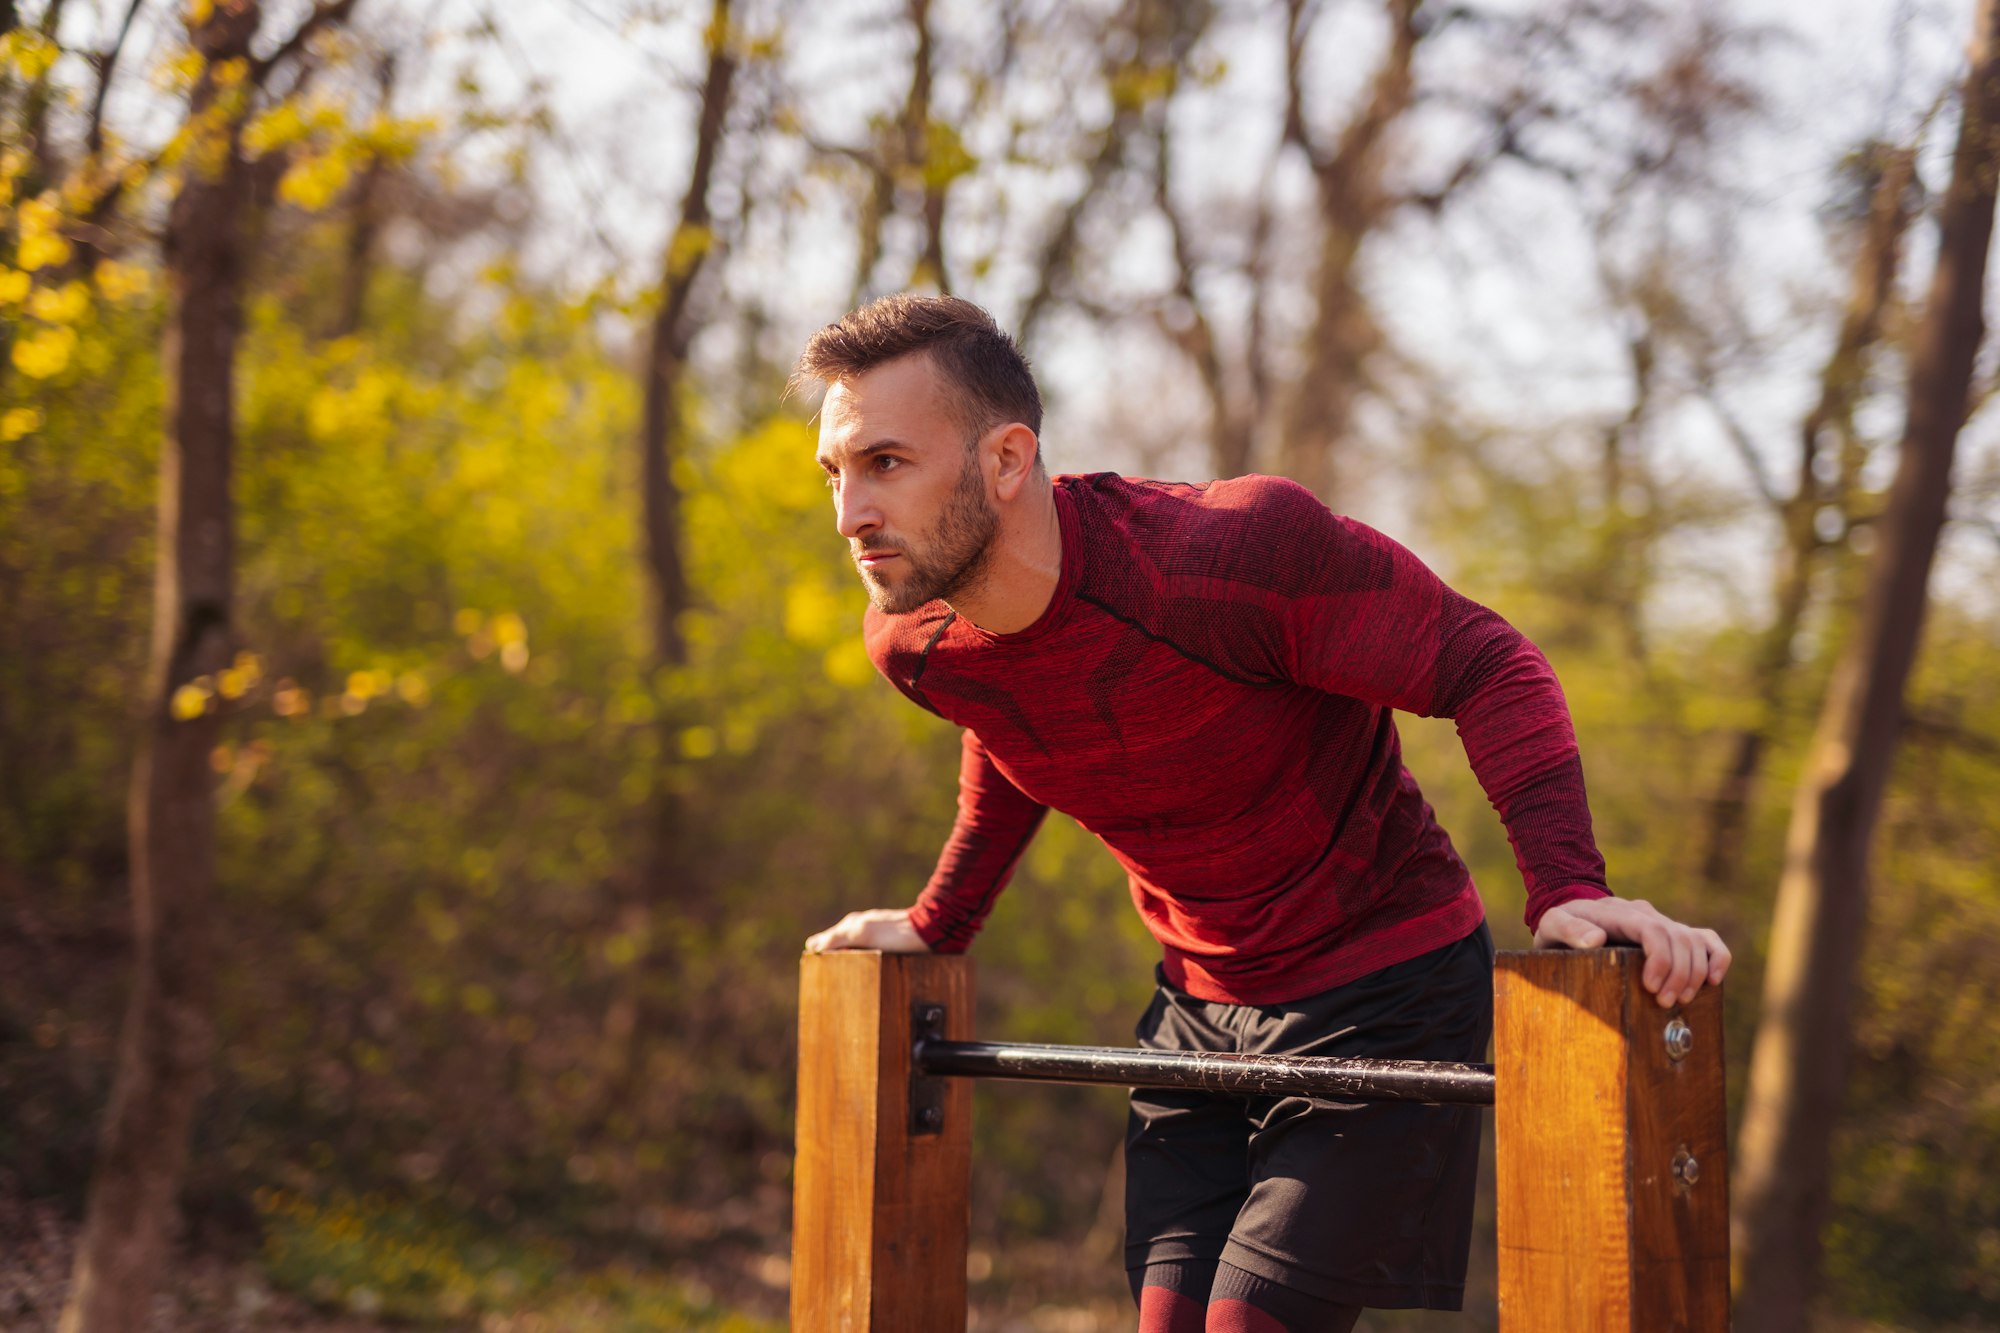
(884,928)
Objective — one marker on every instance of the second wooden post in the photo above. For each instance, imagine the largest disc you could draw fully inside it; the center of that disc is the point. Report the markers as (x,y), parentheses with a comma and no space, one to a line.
(882,1180)
(1610,1150)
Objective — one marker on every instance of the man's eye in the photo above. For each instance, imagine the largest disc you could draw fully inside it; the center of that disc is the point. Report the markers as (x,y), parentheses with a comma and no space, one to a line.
(884,462)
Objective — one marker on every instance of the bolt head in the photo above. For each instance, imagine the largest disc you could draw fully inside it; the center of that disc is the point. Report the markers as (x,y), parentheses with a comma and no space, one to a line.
(1680,1040)
(930,1117)
(1686,1169)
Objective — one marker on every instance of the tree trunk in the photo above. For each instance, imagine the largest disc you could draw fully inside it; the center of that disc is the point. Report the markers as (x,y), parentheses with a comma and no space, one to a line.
(39,100)
(364,218)
(918,155)
(1799,1060)
(629,1016)
(667,349)
(167,1039)
(1352,203)
(1873,286)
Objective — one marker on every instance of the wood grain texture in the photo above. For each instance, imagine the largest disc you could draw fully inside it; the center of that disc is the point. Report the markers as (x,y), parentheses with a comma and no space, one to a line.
(879,1214)
(1680,1231)
(834,1168)
(1597,1232)
(1560,1131)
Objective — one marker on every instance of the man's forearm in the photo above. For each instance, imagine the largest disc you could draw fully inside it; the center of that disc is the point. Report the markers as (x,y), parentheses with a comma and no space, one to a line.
(1521,744)
(996,821)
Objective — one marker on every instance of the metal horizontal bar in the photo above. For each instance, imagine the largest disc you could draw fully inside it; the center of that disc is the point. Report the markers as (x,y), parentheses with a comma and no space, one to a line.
(1360,1080)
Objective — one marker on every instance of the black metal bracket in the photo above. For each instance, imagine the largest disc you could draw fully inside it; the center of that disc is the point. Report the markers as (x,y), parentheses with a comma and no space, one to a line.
(926,1090)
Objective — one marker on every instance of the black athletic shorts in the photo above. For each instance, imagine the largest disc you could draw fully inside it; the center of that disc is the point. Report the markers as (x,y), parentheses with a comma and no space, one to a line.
(1366,1204)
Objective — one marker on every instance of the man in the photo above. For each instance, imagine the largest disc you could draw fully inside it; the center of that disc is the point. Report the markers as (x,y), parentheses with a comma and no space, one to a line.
(1204,676)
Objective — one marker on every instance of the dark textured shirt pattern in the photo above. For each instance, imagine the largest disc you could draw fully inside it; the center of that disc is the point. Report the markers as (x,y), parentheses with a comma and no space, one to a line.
(1209,691)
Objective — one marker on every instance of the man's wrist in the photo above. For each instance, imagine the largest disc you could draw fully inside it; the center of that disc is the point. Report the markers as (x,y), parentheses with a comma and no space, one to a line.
(1576,891)
(923,921)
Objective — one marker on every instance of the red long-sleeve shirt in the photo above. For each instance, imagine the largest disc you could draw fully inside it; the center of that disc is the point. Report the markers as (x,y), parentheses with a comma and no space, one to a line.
(1209,692)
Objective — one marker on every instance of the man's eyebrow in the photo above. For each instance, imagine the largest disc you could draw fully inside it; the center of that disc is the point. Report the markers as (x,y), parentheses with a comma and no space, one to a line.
(865,451)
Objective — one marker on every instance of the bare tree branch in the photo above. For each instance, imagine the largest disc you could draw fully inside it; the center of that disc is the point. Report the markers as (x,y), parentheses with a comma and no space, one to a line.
(1739,439)
(1949,731)
(105,62)
(1160,37)
(1187,325)
(324,14)
(1299,18)
(1351,205)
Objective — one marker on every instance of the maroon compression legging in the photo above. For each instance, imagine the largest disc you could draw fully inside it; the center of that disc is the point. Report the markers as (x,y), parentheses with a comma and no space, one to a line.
(1211,1297)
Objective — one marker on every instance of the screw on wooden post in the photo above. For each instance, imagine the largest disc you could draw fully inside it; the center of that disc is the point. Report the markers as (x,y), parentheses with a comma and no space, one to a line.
(1611,1153)
(882,1191)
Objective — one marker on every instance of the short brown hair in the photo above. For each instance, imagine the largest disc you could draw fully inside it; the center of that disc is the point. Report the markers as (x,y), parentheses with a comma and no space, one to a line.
(984,368)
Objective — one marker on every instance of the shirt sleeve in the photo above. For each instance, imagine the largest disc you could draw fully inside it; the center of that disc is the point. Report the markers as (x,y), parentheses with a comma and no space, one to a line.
(995,822)
(1372,621)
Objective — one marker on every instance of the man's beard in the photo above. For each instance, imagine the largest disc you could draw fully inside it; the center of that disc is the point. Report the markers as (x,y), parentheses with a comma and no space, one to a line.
(954,554)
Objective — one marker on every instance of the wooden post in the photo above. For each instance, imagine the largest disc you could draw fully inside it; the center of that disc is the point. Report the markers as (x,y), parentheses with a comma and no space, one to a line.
(1612,1161)
(882,1187)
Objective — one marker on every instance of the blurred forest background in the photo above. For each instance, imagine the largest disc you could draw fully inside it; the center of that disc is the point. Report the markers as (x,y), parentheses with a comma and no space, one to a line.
(416,597)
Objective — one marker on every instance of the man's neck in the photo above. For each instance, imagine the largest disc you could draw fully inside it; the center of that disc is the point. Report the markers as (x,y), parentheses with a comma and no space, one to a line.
(1024,565)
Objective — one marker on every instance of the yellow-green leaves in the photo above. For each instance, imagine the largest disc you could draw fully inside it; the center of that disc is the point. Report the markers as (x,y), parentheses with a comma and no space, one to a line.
(40,244)
(119,282)
(66,304)
(311,182)
(190,701)
(44,353)
(16,422)
(946,156)
(327,148)
(26,52)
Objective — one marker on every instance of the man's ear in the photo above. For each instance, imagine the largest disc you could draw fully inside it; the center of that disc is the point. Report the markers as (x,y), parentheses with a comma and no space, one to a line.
(1012,451)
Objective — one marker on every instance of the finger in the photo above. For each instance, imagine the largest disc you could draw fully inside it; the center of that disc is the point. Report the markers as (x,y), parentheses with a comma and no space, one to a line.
(840,935)
(1683,967)
(1677,973)
(1659,947)
(1586,934)
(1697,965)
(1719,958)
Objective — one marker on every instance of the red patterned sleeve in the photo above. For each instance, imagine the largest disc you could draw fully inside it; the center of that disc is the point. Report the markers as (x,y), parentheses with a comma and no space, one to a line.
(995,821)
(1372,621)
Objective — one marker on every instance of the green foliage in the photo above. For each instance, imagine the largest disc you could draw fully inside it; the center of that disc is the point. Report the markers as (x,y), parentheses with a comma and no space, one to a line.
(426,1267)
(78,450)
(1916,1232)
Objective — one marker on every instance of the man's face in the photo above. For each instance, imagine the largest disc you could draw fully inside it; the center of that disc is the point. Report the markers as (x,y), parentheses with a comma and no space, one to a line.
(908,494)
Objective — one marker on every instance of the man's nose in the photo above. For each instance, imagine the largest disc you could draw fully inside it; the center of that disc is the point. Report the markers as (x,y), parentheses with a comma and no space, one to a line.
(855,513)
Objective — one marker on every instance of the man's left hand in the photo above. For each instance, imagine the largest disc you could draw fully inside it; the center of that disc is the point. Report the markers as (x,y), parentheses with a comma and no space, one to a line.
(1678,958)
